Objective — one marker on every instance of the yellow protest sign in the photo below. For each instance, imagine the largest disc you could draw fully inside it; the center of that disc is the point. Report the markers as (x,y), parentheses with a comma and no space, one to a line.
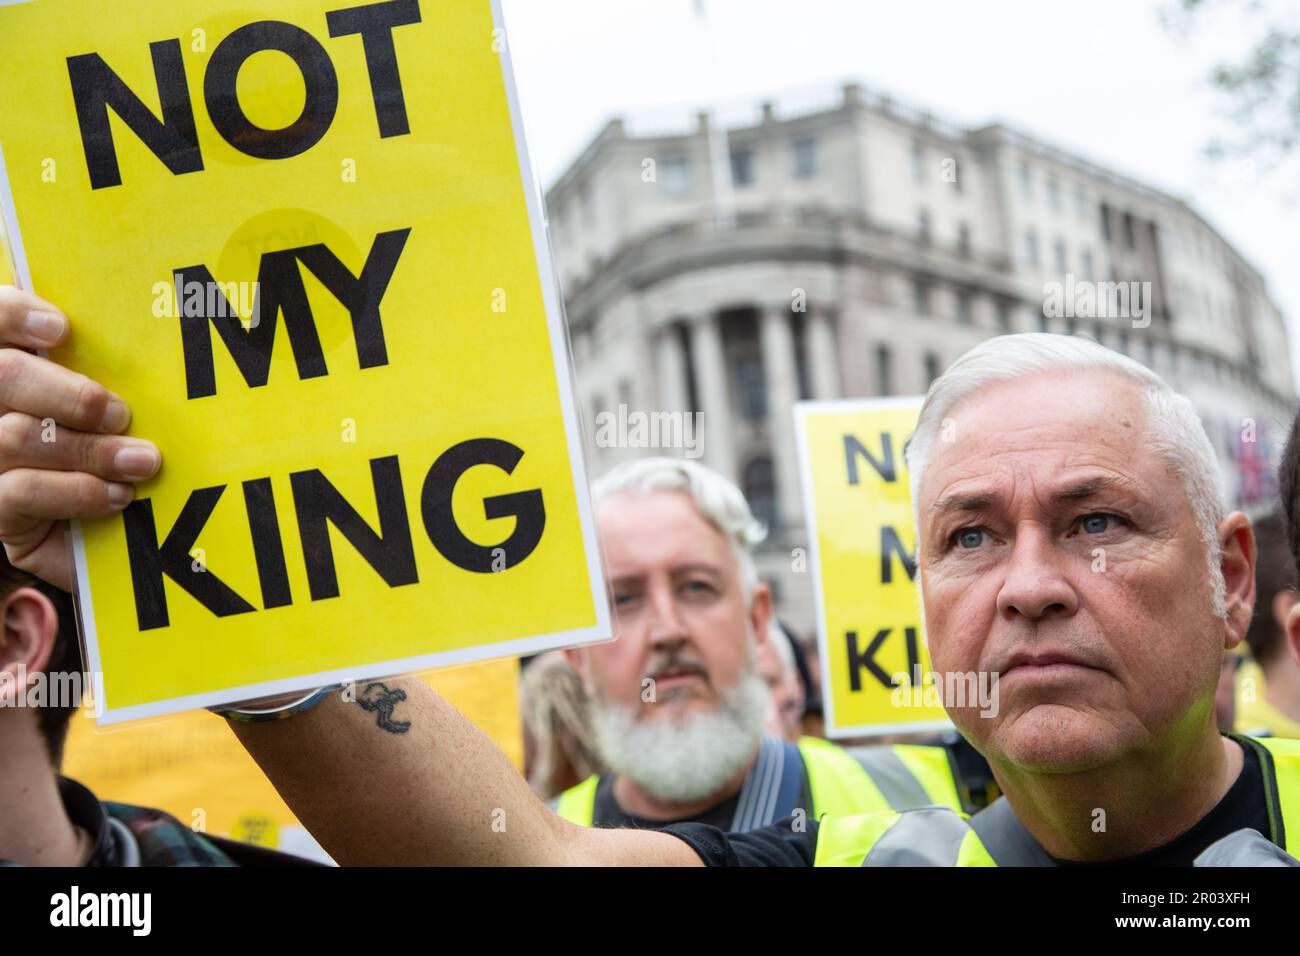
(876,675)
(6,269)
(301,239)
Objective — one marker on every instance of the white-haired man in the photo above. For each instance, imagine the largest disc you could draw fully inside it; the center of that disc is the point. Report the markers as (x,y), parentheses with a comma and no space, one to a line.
(777,667)
(678,702)
(1070,539)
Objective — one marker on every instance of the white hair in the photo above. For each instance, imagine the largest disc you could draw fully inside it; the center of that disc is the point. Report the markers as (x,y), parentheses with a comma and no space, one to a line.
(718,500)
(781,644)
(1173,426)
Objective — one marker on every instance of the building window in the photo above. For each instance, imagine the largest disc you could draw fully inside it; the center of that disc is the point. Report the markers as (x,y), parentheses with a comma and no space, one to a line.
(805,158)
(884,370)
(803,374)
(1031,247)
(587,206)
(921,296)
(1105,221)
(1081,202)
(923,226)
(1059,249)
(1053,193)
(751,388)
(965,310)
(1130,235)
(1004,318)
(963,240)
(931,368)
(1026,181)
(1085,263)
(759,483)
(918,161)
(742,167)
(675,175)
(683,336)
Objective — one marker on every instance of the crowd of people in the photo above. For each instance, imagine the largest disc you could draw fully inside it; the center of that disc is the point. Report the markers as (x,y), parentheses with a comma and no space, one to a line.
(1126,731)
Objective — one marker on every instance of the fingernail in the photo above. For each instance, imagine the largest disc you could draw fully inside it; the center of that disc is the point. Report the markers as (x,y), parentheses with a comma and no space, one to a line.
(119,494)
(116,416)
(46,326)
(137,461)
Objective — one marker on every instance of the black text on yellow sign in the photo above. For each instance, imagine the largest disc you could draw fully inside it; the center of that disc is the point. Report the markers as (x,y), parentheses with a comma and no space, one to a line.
(862,542)
(372,462)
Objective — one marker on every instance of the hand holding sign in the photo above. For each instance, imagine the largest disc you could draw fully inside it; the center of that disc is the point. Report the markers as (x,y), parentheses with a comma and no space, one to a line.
(61,454)
(302,217)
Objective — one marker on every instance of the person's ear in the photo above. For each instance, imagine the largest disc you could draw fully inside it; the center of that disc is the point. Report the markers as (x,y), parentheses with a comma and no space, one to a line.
(29,625)
(1293,631)
(1237,541)
(577,659)
(760,612)
(1283,601)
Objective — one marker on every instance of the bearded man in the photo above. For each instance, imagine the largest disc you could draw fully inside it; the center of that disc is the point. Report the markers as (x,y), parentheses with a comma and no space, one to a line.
(678,702)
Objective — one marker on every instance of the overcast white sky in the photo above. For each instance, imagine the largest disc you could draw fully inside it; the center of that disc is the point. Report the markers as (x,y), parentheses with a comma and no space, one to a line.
(1103,78)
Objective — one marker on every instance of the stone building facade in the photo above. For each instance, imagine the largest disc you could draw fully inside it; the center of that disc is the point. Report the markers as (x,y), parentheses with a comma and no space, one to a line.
(865,246)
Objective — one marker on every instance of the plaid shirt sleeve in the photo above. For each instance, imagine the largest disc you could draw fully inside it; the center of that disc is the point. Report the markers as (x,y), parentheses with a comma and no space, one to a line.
(164,840)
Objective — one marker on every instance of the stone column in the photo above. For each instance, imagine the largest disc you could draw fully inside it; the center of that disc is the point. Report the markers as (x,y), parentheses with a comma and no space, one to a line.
(823,355)
(670,367)
(711,379)
(782,380)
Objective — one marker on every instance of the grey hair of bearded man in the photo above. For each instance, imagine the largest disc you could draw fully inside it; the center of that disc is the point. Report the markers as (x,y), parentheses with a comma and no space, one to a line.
(716,498)
(1174,428)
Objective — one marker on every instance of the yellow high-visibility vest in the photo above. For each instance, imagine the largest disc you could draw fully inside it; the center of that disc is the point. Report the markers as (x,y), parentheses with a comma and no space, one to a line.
(939,836)
(1255,715)
(840,784)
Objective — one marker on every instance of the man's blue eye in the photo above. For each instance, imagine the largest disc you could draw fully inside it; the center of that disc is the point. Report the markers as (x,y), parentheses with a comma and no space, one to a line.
(1095,524)
(970,538)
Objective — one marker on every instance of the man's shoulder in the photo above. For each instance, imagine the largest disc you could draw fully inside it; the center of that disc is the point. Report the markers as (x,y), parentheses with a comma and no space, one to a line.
(819,750)
(162,840)
(1279,746)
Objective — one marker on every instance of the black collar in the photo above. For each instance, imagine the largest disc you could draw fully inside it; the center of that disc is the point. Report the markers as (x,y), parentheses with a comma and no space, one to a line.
(85,810)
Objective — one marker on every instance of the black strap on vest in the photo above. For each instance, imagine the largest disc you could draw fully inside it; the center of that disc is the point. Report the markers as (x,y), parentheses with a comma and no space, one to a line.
(774,787)
(1272,800)
(1006,838)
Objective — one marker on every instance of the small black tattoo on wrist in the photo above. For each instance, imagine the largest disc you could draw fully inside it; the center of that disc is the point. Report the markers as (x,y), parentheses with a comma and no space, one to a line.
(380,699)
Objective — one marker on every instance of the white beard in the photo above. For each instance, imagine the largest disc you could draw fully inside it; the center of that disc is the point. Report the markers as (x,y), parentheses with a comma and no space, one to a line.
(682,761)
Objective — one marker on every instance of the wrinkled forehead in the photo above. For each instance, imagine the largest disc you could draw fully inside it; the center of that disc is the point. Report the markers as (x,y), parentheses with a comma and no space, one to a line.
(656,524)
(1011,437)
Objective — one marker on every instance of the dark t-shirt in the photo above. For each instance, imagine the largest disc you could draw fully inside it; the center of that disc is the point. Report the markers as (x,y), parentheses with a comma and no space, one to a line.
(1243,806)
(779,774)
(607,813)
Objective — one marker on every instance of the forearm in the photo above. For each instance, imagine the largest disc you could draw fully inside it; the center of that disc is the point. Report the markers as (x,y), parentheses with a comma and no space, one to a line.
(420,785)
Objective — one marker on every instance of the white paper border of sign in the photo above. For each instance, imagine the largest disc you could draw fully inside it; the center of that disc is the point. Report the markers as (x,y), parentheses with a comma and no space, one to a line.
(802,412)
(598,633)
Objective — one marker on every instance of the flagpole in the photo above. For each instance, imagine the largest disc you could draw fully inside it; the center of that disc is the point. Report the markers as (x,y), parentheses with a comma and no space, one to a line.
(719,152)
